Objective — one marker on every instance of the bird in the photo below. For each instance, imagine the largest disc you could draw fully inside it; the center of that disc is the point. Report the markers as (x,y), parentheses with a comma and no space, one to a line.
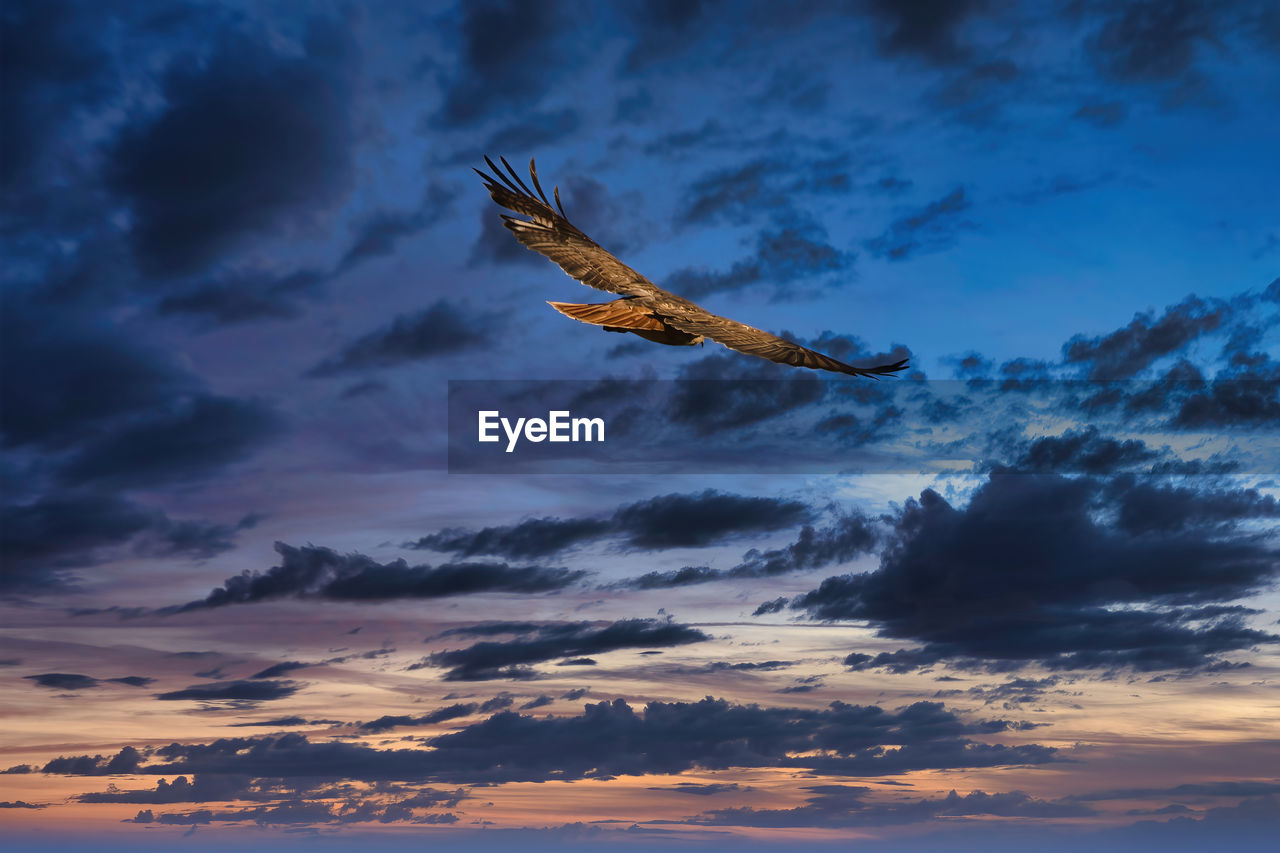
(643,309)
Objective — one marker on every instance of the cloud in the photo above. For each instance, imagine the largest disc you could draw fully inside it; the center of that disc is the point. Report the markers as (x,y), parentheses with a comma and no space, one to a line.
(929,30)
(284,722)
(930,229)
(202,788)
(249,141)
(838,806)
(674,520)
(281,668)
(703,790)
(296,812)
(63,680)
(849,537)
(511,53)
(233,691)
(245,296)
(442,329)
(1102,113)
(511,658)
(44,540)
(1064,573)
(741,194)
(611,739)
(314,572)
(1084,451)
(1146,42)
(190,440)
(796,250)
(1124,352)
(126,761)
(377,234)
(102,376)
(534,131)
(52,67)
(440,715)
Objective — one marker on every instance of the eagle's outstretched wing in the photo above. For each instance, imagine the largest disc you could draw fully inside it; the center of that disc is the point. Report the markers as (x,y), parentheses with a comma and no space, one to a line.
(753,341)
(551,234)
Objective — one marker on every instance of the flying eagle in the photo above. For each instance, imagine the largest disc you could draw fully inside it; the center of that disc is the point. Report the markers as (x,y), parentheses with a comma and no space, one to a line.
(644,309)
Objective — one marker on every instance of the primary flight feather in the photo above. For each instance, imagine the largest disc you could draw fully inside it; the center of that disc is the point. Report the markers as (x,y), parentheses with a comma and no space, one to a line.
(644,309)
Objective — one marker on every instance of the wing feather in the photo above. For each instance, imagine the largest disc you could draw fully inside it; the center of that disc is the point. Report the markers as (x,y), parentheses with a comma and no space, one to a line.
(753,341)
(552,235)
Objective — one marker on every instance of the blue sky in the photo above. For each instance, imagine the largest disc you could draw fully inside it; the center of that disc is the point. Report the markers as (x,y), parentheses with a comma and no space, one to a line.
(1028,582)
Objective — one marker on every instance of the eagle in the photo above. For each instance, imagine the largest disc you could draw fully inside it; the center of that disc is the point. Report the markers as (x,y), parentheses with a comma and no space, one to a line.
(644,309)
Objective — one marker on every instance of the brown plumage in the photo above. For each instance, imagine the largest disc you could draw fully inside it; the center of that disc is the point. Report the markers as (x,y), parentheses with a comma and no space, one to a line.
(644,309)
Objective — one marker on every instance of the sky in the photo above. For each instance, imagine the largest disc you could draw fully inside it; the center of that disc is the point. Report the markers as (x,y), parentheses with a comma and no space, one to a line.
(263,585)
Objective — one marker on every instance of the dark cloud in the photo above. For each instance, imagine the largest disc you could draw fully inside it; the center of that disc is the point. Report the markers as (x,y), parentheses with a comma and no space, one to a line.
(497,703)
(666,521)
(977,94)
(634,107)
(612,739)
(440,330)
(20,804)
(758,391)
(1152,40)
(837,806)
(1102,113)
(689,520)
(534,131)
(704,790)
(314,572)
(1064,572)
(440,715)
(202,788)
(276,670)
(63,680)
(1084,451)
(930,229)
(1125,352)
(511,52)
(735,195)
(190,440)
(511,658)
(763,187)
(52,66)
(101,375)
(535,537)
(126,761)
(43,541)
(297,812)
(249,141)
(378,234)
(537,702)
(924,29)
(244,296)
(233,691)
(284,722)
(784,256)
(133,680)
(663,30)
(1228,788)
(849,537)
(1013,694)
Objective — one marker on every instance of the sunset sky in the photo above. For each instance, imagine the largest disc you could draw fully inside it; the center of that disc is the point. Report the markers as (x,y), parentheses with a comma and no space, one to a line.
(262,586)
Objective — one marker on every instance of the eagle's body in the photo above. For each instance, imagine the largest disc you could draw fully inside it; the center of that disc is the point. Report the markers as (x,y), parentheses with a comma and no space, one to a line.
(644,309)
